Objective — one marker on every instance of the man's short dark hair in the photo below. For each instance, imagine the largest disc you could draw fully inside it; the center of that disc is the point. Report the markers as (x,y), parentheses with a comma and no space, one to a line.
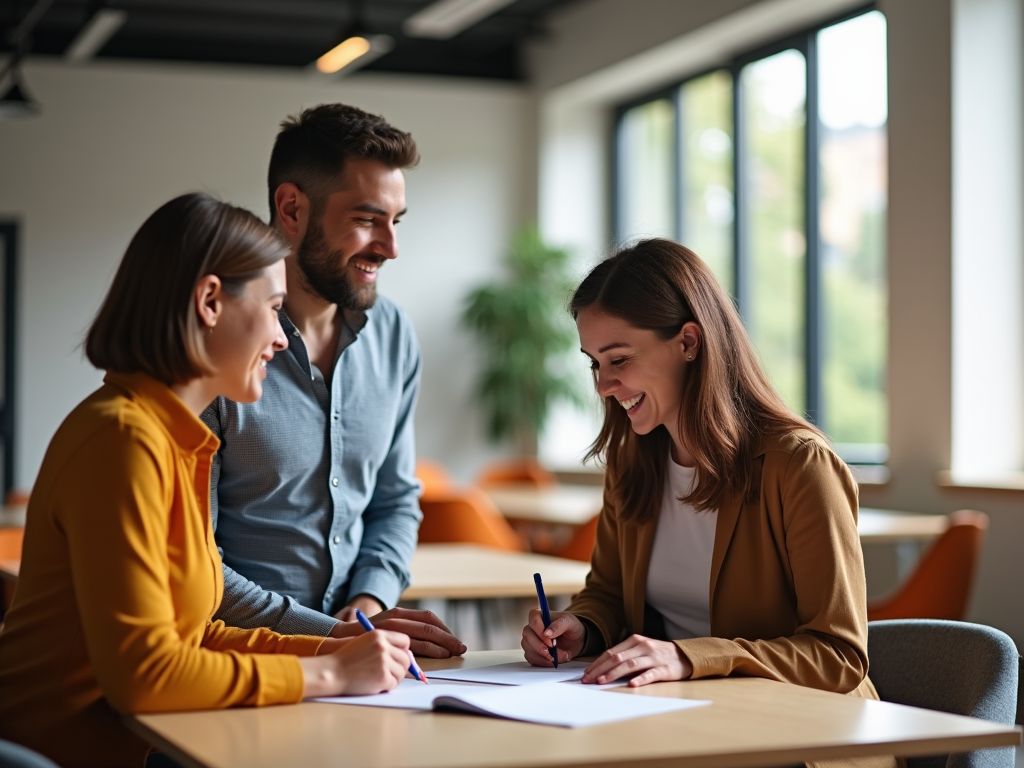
(312,148)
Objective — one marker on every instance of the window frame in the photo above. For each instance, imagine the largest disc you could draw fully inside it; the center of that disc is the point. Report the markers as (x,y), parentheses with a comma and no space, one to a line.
(805,42)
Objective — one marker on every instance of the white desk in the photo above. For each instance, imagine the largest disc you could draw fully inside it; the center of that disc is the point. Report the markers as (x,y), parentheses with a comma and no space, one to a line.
(576,504)
(467,571)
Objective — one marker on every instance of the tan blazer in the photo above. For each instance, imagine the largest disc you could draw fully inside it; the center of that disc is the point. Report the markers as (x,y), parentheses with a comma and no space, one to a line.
(787,593)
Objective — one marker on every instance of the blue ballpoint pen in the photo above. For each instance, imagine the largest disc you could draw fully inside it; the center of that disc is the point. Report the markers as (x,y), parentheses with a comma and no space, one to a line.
(546,614)
(414,668)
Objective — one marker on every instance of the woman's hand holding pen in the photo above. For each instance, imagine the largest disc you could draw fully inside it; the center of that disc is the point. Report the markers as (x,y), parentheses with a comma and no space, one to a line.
(641,659)
(536,640)
(371,663)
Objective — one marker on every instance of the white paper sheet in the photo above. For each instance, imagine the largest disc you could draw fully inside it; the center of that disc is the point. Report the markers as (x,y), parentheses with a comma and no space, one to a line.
(514,673)
(560,704)
(570,706)
(410,694)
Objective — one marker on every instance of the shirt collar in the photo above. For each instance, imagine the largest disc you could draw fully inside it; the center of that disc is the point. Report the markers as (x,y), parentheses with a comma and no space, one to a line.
(354,318)
(154,396)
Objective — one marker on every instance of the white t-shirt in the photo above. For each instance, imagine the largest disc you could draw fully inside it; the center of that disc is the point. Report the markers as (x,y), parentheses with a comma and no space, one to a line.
(679,575)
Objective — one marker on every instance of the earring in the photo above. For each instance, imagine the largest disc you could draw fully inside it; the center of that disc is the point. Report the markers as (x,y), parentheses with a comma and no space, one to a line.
(210,330)
(689,357)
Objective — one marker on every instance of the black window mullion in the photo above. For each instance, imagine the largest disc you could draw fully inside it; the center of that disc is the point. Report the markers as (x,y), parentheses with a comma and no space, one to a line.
(812,216)
(740,236)
(9,248)
(679,159)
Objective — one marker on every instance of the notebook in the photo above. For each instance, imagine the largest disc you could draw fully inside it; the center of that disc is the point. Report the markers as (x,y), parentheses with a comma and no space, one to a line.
(558,704)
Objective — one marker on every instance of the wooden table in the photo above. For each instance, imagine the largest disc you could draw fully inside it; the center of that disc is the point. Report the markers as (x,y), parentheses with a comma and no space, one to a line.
(467,571)
(751,722)
(576,504)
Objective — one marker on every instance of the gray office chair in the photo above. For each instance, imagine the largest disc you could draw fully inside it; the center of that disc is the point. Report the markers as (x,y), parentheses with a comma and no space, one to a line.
(15,756)
(952,666)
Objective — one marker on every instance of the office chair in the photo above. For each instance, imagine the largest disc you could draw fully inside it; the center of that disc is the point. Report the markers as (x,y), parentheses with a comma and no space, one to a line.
(951,666)
(940,585)
(433,476)
(10,549)
(467,516)
(16,756)
(581,545)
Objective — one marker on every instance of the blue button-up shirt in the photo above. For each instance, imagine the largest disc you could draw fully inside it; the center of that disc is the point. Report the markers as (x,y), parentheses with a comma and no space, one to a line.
(314,496)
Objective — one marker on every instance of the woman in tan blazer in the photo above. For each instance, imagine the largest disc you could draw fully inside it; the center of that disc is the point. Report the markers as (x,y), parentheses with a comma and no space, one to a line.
(728,539)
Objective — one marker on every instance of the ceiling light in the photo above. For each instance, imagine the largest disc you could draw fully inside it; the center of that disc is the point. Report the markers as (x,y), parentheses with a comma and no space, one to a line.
(14,103)
(446,18)
(353,53)
(95,34)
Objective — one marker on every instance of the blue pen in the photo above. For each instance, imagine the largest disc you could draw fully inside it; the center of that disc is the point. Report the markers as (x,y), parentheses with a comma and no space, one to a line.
(546,614)
(414,668)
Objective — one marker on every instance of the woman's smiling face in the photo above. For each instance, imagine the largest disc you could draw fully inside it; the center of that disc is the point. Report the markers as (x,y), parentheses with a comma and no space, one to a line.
(643,372)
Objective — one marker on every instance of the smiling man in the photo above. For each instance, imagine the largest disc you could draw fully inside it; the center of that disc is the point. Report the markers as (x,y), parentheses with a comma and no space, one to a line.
(315,501)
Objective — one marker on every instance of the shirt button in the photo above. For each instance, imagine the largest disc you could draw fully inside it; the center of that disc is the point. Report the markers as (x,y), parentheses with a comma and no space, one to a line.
(327,594)
(337,539)
(296,333)
(336,415)
(334,482)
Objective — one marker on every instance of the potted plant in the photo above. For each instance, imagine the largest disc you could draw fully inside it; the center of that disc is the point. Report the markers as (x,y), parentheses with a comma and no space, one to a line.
(523,331)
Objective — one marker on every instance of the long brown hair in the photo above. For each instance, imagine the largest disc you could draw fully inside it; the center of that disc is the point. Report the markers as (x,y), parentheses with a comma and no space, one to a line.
(147,321)
(728,404)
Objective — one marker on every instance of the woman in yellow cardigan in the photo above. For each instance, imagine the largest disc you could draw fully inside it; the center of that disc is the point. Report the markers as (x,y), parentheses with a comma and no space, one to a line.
(728,539)
(120,575)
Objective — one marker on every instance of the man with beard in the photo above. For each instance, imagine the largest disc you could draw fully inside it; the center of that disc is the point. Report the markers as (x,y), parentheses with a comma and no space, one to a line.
(314,497)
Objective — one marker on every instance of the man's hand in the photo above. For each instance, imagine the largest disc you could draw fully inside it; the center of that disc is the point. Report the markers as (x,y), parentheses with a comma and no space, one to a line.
(646,660)
(428,635)
(368,605)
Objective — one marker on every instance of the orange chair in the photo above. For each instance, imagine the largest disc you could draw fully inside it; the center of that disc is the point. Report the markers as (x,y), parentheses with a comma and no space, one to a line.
(581,545)
(10,549)
(940,585)
(465,515)
(525,470)
(435,478)
(16,497)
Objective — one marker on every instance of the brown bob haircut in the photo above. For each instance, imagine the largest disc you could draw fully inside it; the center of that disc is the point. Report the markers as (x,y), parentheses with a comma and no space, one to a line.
(312,148)
(148,321)
(728,404)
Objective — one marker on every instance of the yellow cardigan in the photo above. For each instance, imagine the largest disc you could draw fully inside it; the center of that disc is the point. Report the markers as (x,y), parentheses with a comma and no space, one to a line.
(120,578)
(787,594)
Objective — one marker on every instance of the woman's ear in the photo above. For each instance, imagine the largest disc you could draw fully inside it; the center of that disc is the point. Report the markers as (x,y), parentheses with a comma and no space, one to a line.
(209,295)
(690,338)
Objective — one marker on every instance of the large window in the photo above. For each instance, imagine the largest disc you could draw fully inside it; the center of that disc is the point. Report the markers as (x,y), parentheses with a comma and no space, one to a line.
(774,171)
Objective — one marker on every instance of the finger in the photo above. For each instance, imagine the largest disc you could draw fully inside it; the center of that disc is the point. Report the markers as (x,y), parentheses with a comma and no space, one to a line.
(429,650)
(536,659)
(429,633)
(627,668)
(536,621)
(652,675)
(611,658)
(559,626)
(397,639)
(535,642)
(412,615)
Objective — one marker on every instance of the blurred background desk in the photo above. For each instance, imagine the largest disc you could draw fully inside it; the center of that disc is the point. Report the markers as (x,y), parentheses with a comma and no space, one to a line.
(467,571)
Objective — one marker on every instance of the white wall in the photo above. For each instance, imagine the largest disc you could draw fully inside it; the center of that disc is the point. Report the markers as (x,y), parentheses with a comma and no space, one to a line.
(116,141)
